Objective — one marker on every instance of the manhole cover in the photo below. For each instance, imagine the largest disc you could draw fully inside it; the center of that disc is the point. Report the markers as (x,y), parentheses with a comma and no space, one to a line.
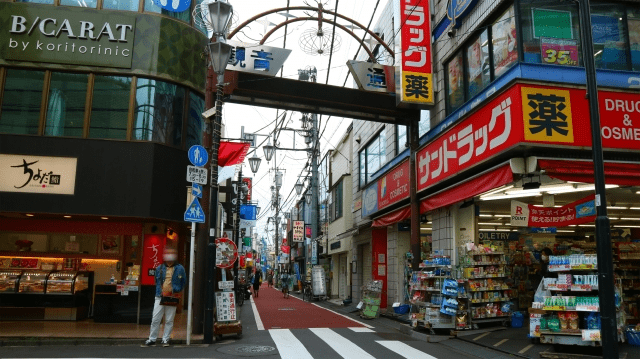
(286,308)
(255,349)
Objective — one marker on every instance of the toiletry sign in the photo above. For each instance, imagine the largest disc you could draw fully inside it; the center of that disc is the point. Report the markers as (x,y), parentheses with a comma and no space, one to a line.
(66,35)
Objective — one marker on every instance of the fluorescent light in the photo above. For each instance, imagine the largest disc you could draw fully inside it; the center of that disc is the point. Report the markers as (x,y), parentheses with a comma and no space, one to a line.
(67,216)
(104,217)
(614,218)
(614,207)
(29,215)
(630,219)
(635,208)
(425,228)
(490,224)
(581,188)
(564,231)
(486,215)
(498,190)
(502,215)
(507,196)
(625,226)
(496,230)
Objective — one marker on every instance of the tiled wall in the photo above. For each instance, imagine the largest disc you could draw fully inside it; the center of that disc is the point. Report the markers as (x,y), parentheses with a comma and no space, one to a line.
(442,231)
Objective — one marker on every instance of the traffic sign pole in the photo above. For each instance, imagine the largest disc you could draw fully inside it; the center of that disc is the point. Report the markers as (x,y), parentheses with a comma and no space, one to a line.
(192,253)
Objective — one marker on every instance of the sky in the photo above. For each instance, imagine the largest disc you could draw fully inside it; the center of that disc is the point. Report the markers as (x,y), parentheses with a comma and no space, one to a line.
(259,118)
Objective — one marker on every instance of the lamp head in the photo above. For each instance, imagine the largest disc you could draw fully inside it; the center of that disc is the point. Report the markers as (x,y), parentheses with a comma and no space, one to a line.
(219,16)
(254,162)
(220,54)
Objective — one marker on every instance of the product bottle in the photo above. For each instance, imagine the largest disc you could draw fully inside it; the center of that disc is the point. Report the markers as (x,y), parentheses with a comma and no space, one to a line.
(113,279)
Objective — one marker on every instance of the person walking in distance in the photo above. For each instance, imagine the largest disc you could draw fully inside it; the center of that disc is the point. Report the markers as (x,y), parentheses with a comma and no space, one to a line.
(170,279)
(285,283)
(257,281)
(269,278)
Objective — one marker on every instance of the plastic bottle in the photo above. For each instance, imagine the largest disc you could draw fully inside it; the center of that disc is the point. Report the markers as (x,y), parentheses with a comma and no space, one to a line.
(113,279)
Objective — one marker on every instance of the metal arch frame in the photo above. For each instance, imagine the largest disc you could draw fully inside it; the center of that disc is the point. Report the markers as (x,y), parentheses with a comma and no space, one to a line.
(268,34)
(320,11)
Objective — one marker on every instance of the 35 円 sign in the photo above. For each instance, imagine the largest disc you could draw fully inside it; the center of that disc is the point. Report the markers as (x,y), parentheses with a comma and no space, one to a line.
(415,70)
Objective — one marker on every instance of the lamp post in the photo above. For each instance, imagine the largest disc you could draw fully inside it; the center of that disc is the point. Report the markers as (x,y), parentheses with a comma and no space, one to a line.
(608,331)
(219,52)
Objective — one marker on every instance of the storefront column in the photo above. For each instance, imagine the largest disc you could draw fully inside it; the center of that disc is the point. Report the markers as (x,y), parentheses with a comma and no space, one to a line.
(415,205)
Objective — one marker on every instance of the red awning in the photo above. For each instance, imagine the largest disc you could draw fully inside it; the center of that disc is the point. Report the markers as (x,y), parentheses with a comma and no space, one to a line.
(471,188)
(622,174)
(232,153)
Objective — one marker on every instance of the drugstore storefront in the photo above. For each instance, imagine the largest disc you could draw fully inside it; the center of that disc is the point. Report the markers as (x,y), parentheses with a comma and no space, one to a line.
(97,108)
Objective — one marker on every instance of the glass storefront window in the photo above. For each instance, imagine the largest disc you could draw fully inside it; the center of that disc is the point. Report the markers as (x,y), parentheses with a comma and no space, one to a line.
(150,6)
(158,112)
(633,22)
(37,1)
(110,108)
(478,64)
(505,46)
(127,5)
(455,83)
(65,110)
(80,3)
(21,102)
(194,124)
(376,154)
(362,160)
(401,138)
(609,36)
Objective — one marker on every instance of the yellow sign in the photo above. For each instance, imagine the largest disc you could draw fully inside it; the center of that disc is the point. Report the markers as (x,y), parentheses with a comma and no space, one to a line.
(417,87)
(547,115)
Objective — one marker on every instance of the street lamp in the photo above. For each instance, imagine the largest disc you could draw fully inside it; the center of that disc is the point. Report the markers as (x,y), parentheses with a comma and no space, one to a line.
(298,186)
(279,180)
(219,16)
(307,197)
(257,210)
(254,162)
(269,149)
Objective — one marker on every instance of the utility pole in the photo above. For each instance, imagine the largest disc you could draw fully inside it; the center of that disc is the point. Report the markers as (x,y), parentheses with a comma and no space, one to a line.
(236,225)
(314,181)
(608,330)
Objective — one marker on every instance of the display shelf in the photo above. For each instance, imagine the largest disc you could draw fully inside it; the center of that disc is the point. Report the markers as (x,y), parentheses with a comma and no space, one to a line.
(484,253)
(575,332)
(475,264)
(497,275)
(487,289)
(497,318)
(573,288)
(493,300)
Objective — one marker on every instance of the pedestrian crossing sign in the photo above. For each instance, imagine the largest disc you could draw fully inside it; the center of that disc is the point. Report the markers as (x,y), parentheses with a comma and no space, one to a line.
(194,212)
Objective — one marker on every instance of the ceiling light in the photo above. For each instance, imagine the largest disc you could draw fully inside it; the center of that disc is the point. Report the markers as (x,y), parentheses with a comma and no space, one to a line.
(507,196)
(635,208)
(29,215)
(614,207)
(495,230)
(490,223)
(503,189)
(425,229)
(67,216)
(564,231)
(104,217)
(625,226)
(502,215)
(486,215)
(614,218)
(630,219)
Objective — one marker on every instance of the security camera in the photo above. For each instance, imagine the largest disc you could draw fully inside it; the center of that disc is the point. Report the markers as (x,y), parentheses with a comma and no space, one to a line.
(451,33)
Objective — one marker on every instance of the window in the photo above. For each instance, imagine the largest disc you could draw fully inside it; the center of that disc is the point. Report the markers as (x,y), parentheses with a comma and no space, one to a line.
(372,157)
(194,124)
(128,5)
(37,1)
(158,112)
(425,123)
(21,103)
(65,109)
(633,22)
(505,49)
(80,3)
(551,33)
(401,138)
(110,107)
(609,36)
(478,64)
(337,204)
(150,6)
(455,83)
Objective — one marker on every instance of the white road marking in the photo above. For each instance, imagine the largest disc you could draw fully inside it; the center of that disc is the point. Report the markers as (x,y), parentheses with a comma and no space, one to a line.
(342,315)
(340,344)
(500,342)
(256,315)
(361,330)
(481,336)
(288,345)
(525,349)
(404,350)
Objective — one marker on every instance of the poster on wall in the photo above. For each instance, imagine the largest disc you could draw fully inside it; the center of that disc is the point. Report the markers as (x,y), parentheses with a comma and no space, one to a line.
(110,244)
(505,49)
(455,82)
(562,52)
(578,212)
(298,231)
(605,28)
(226,306)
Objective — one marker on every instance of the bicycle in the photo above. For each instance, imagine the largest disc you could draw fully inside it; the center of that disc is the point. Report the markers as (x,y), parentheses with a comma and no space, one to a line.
(240,291)
(307,293)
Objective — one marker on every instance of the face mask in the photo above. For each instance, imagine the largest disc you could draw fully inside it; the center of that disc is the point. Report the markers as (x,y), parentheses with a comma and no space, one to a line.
(169,257)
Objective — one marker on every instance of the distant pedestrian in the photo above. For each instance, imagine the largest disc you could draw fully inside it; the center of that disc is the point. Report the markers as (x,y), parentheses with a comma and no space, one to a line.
(270,278)
(170,279)
(285,283)
(257,281)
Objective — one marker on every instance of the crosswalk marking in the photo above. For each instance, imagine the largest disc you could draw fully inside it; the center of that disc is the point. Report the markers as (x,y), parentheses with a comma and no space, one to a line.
(340,344)
(404,349)
(500,342)
(256,314)
(361,330)
(288,345)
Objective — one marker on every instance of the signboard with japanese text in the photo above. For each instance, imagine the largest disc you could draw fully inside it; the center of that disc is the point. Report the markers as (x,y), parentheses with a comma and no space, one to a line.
(248,211)
(153,248)
(559,51)
(373,77)
(414,84)
(197,175)
(67,35)
(459,9)
(547,115)
(256,58)
(37,174)
(578,212)
(298,231)
(249,183)
(226,306)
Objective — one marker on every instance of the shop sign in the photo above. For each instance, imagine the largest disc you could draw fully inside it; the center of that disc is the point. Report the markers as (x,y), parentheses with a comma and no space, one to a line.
(37,174)
(459,9)
(415,70)
(357,204)
(559,51)
(500,236)
(248,212)
(226,306)
(372,77)
(486,133)
(67,35)
(285,249)
(307,231)
(394,186)
(528,215)
(370,200)
(298,231)
(173,5)
(314,253)
(152,257)
(335,245)
(255,58)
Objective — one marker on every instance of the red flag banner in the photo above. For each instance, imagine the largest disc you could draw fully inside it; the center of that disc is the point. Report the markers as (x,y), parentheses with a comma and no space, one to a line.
(232,153)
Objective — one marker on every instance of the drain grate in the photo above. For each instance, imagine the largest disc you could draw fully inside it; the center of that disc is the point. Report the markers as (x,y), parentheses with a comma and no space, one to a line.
(254,349)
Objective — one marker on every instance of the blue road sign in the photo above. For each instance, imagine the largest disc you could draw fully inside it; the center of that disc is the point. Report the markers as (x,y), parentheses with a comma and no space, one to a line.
(196,190)
(198,155)
(194,213)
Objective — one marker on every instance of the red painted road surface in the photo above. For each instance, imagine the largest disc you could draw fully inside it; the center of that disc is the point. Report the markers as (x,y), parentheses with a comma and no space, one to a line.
(277,312)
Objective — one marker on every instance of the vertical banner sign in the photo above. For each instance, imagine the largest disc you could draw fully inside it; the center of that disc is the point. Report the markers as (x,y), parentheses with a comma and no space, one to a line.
(414,81)
(298,231)
(249,183)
